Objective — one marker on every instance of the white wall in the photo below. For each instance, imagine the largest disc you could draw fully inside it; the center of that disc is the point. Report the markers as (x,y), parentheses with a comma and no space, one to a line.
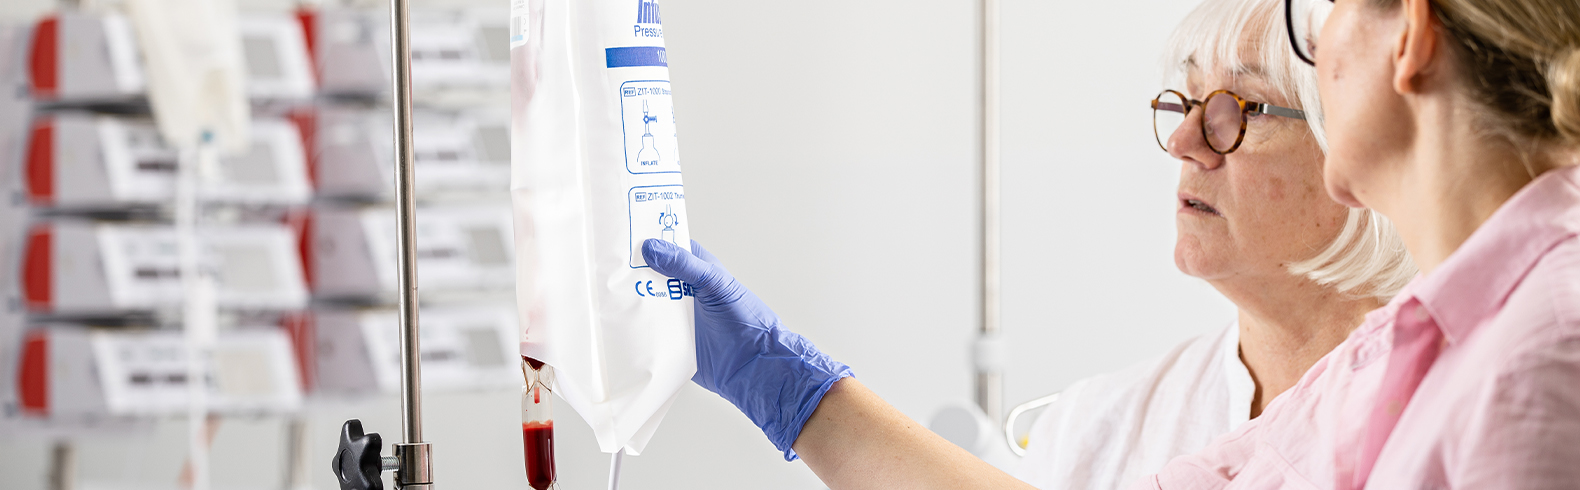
(831,154)
(1089,198)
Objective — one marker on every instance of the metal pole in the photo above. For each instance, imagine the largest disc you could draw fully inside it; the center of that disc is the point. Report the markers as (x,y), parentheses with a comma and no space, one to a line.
(415,468)
(411,413)
(989,379)
(63,466)
(296,449)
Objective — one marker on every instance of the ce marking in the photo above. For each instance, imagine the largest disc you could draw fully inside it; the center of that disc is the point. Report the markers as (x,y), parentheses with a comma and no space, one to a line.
(648,287)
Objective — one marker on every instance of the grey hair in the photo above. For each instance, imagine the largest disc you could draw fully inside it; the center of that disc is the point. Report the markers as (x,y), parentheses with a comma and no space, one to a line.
(1368,257)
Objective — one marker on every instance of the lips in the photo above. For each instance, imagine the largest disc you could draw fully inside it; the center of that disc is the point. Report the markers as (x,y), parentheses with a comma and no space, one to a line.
(1197,205)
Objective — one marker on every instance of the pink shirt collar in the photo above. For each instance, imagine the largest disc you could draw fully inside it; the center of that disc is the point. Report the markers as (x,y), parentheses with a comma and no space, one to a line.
(1473,283)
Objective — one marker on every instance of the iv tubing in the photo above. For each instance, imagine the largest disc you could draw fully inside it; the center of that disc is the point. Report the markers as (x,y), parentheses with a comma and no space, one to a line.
(614,470)
(197,316)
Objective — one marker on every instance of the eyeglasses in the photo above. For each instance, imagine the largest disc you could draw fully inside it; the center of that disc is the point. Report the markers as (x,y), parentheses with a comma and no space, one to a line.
(1223,120)
(1305,19)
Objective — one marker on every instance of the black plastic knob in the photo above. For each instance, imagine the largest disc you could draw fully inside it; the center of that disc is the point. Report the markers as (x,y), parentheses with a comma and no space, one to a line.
(358,464)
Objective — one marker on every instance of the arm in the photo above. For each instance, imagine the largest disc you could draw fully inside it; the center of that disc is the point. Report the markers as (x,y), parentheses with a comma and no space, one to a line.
(856,440)
(804,401)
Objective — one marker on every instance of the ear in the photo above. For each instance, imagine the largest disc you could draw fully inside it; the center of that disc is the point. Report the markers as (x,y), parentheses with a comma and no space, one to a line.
(1417,47)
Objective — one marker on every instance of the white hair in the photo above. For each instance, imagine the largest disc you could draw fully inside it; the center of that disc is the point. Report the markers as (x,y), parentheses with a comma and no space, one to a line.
(1250,36)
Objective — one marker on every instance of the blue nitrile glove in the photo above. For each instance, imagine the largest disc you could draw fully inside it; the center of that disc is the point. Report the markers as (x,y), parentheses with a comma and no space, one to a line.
(744,353)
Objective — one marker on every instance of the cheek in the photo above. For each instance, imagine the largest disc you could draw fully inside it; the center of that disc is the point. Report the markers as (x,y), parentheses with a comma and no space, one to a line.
(1277,189)
(1317,219)
(1277,201)
(1360,141)
(1285,204)
(1328,220)
(1343,63)
(1354,77)
(1284,177)
(1340,96)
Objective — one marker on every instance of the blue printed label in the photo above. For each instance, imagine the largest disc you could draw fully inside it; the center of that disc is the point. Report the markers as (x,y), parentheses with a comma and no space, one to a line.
(636,56)
(657,211)
(648,114)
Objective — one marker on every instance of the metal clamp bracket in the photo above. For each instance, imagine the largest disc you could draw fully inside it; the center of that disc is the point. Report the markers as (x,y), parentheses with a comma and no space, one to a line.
(414,466)
(358,465)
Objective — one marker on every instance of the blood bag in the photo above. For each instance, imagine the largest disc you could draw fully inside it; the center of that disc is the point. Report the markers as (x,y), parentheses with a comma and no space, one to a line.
(595,171)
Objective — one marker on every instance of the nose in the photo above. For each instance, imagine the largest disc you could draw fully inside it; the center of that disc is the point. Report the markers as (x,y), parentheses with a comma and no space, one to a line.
(1189,145)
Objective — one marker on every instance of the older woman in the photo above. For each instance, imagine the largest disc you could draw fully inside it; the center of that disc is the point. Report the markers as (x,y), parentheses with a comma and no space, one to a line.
(1253,222)
(1460,119)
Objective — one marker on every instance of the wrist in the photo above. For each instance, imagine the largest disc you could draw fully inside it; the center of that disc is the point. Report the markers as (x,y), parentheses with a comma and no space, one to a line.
(792,431)
(781,387)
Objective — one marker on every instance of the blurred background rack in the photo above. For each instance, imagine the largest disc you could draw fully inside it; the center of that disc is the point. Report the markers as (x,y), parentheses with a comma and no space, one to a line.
(297,230)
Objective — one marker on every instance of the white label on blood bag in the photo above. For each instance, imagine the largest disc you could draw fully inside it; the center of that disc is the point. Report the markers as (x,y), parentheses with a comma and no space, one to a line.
(657,212)
(648,114)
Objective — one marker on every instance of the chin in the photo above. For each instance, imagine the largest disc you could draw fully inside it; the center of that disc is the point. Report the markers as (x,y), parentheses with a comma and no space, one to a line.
(1190,258)
(1337,181)
(1341,194)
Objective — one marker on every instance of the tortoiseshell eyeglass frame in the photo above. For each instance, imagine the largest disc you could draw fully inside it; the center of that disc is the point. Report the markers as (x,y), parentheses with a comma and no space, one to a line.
(1247,109)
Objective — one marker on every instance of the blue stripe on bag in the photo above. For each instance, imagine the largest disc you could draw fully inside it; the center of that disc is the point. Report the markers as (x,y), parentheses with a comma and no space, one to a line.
(636,56)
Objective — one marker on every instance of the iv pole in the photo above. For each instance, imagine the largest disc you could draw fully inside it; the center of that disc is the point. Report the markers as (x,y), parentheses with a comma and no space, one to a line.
(989,349)
(357,464)
(415,467)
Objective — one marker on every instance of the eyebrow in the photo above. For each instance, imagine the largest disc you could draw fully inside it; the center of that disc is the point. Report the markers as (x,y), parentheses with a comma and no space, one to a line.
(1239,69)
(1249,69)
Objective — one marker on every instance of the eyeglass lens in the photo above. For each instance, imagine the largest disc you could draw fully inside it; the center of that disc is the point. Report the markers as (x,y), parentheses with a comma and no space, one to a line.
(1305,24)
(1168,114)
(1222,119)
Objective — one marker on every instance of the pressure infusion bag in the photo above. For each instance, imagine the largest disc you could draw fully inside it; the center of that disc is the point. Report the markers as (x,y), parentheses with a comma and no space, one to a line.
(595,171)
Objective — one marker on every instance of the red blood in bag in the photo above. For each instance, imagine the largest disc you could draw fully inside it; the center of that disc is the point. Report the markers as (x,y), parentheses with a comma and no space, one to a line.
(538,445)
(536,364)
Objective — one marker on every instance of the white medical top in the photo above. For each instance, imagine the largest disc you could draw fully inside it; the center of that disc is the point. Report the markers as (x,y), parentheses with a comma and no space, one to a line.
(1106,431)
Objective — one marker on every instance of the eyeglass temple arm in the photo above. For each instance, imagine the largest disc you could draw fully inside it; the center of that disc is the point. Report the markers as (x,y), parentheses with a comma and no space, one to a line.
(1278,111)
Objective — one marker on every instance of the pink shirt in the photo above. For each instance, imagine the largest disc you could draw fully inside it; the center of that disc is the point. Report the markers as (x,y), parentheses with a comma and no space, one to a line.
(1500,406)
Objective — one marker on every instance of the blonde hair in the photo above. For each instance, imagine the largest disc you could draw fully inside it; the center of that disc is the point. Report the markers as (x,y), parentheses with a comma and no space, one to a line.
(1522,62)
(1367,258)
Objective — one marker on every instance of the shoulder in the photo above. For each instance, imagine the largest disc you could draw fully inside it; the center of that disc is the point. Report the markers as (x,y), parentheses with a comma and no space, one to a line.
(1119,425)
(1544,310)
(1519,419)
(1189,367)
(1557,278)
(1539,323)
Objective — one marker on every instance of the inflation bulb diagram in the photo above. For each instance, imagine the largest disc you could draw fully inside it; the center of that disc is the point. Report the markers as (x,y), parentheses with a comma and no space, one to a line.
(648,155)
(647,113)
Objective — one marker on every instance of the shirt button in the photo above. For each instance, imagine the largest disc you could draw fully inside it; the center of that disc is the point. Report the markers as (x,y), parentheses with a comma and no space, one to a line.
(1420,313)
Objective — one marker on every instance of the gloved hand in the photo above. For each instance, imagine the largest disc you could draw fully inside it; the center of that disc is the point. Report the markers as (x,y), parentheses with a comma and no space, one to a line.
(744,354)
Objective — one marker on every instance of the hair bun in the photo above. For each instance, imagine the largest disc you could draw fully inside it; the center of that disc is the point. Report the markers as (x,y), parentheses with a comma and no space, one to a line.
(1563,79)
